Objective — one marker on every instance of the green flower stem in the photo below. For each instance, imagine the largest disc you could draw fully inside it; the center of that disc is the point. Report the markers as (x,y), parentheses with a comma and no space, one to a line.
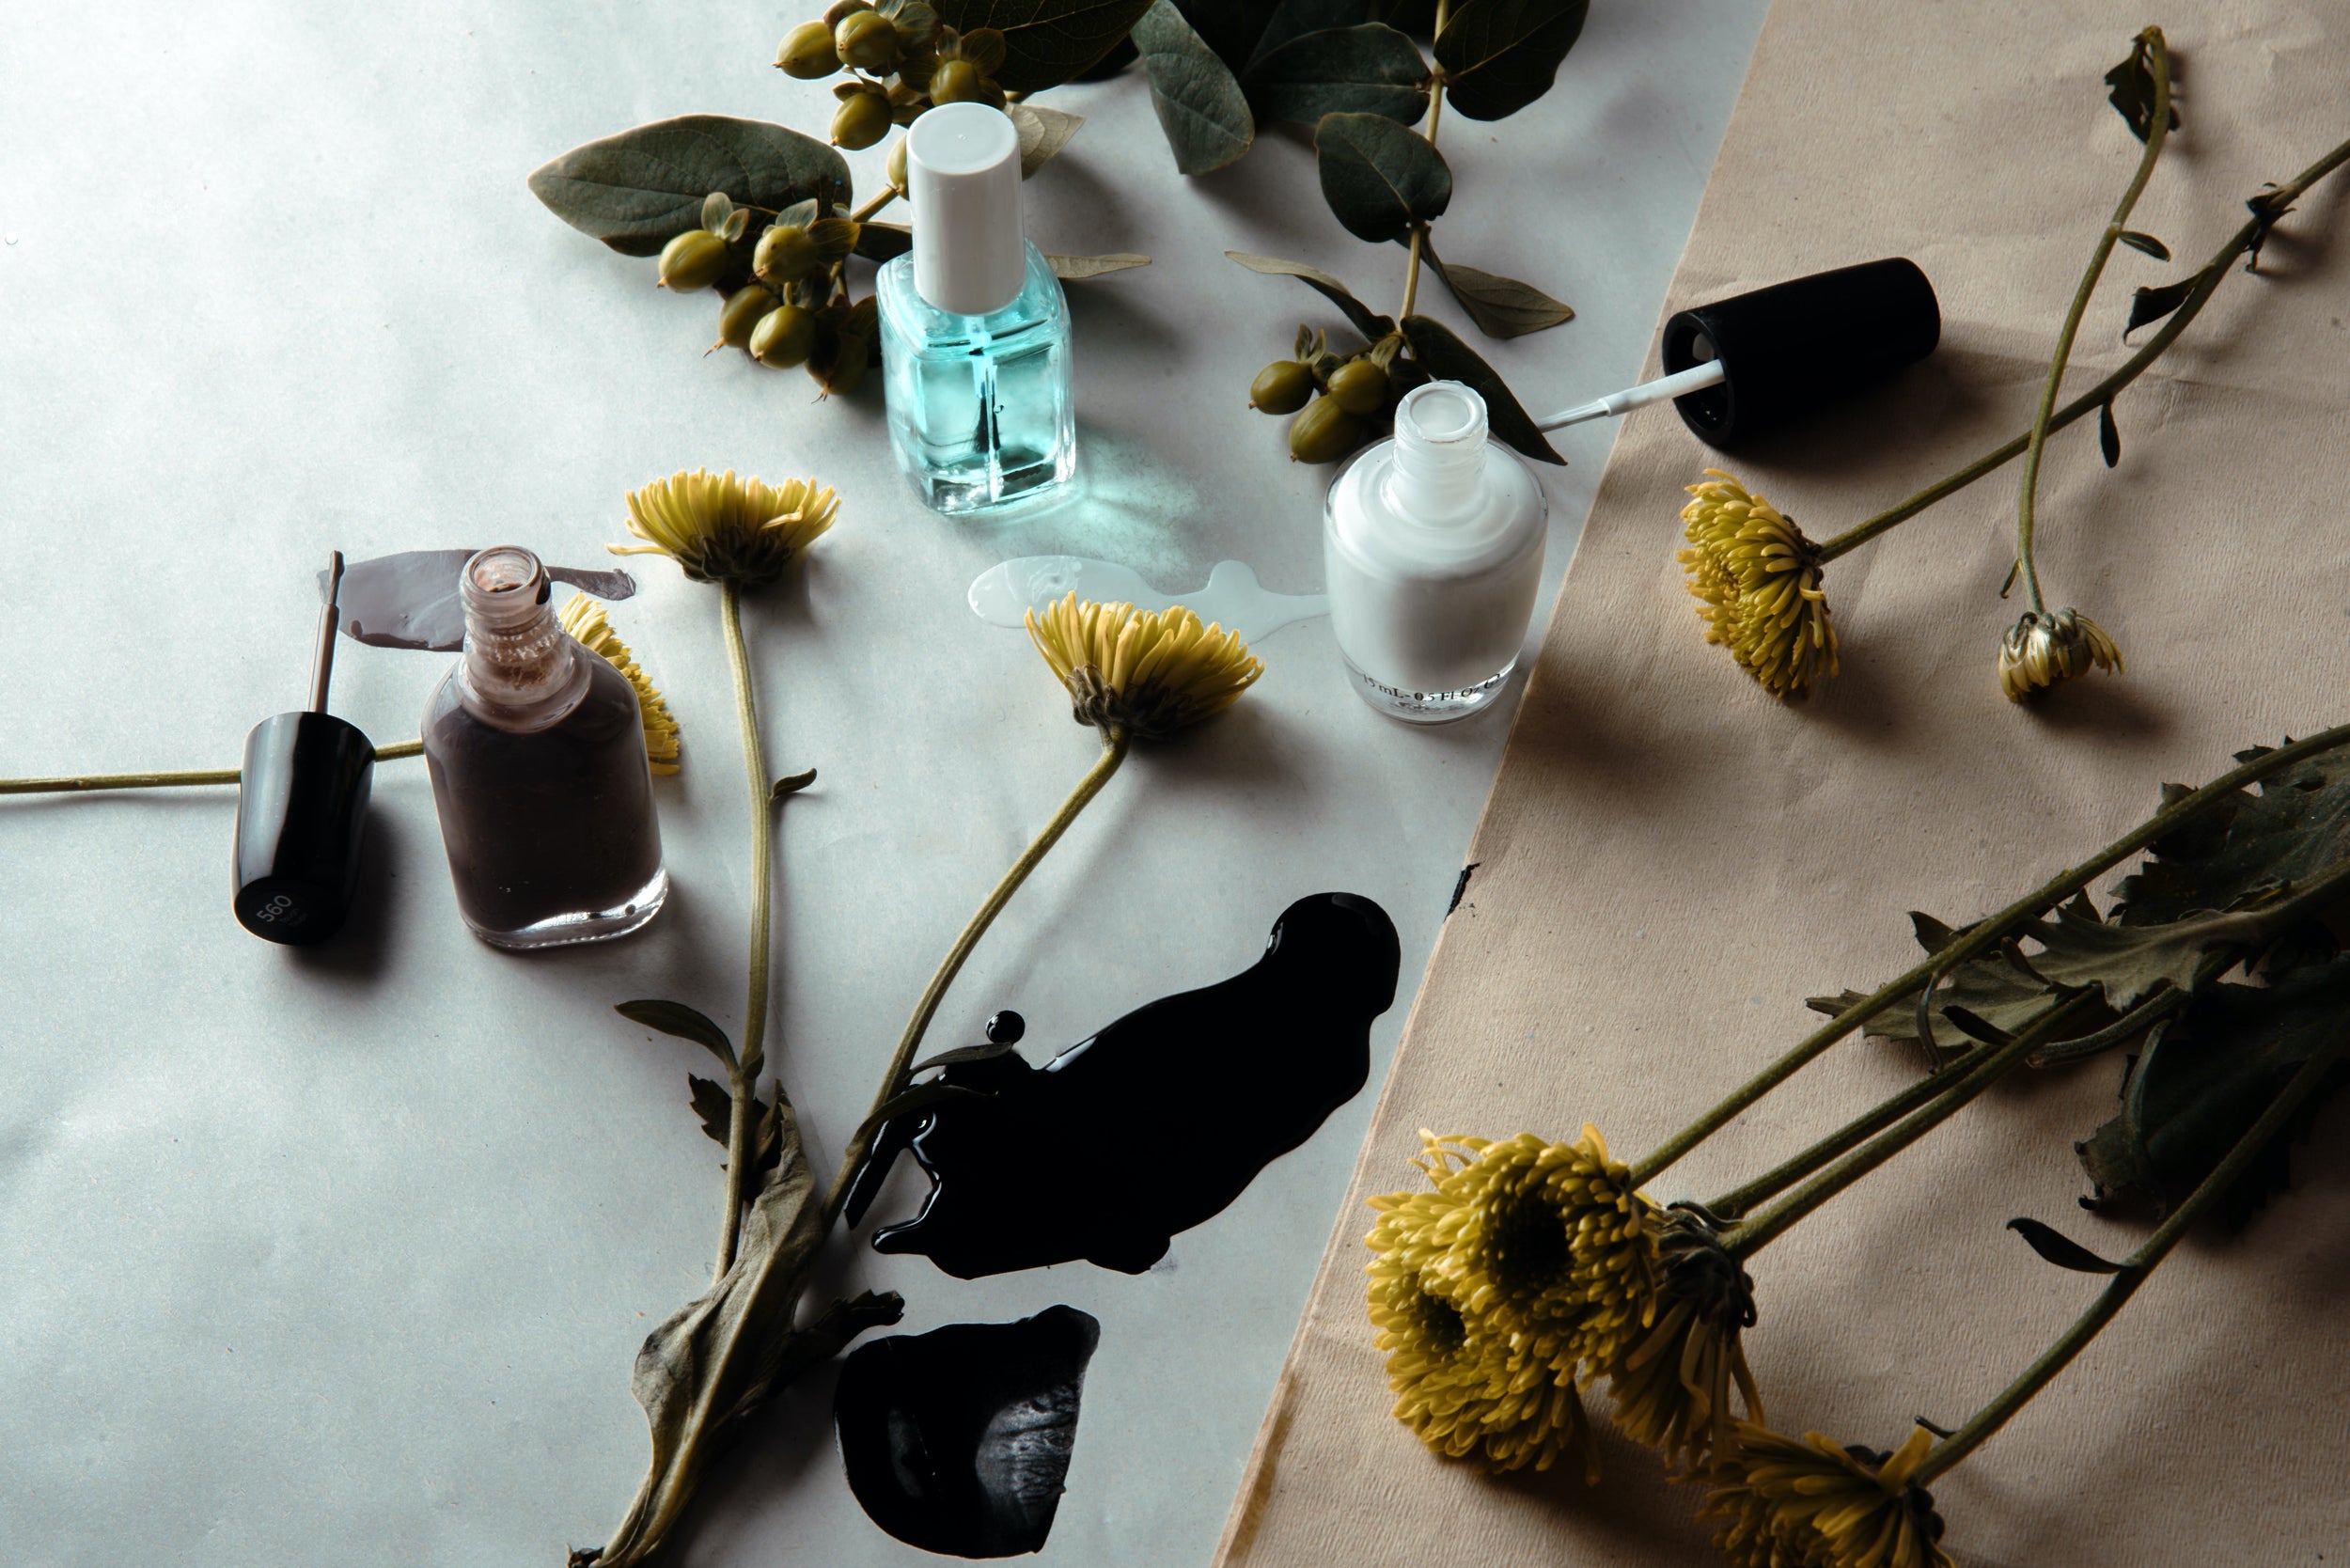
(1114,744)
(1752,1236)
(2268,207)
(1980,937)
(751,1055)
(2134,1269)
(1420,231)
(82,783)
(2157,132)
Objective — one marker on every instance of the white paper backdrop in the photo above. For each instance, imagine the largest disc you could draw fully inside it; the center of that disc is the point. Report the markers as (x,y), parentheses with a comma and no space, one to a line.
(342,1256)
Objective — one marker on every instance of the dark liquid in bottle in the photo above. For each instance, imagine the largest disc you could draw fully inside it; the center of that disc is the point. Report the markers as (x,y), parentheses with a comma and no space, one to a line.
(555,822)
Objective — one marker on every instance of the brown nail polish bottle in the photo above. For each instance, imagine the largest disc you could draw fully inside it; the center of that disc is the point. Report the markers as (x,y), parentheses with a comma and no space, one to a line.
(537,755)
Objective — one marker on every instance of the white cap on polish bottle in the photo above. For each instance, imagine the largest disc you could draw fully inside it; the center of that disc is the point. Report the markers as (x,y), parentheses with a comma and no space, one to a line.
(962,173)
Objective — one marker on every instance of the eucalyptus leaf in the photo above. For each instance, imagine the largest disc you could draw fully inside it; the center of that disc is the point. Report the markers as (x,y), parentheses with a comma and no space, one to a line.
(1293,19)
(1043,132)
(1046,42)
(1076,269)
(2153,305)
(677,1019)
(1500,307)
(1366,320)
(2060,1249)
(1380,179)
(1200,104)
(638,189)
(1370,70)
(1500,56)
(2146,243)
(1231,27)
(2240,853)
(1443,356)
(2206,1077)
(1122,53)
(882,242)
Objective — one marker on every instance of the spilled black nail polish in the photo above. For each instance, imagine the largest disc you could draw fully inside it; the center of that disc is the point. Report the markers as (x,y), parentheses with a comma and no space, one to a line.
(411,600)
(958,1440)
(1156,1122)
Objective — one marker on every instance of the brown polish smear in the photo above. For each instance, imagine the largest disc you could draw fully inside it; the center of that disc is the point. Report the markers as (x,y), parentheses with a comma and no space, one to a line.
(1156,1122)
(958,1440)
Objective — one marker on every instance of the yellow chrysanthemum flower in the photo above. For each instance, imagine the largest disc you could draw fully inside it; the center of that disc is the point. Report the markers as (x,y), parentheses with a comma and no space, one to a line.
(2041,649)
(1672,1389)
(719,528)
(584,618)
(1149,674)
(1544,1244)
(1812,1504)
(1463,1393)
(1758,579)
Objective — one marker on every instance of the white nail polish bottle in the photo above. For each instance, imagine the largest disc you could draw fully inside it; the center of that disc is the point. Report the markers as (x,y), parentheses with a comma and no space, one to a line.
(1432,544)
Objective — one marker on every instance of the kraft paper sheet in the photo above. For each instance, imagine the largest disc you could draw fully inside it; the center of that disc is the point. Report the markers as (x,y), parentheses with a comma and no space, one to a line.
(1669,861)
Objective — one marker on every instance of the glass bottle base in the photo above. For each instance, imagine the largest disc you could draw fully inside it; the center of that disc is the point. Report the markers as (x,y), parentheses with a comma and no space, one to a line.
(984,487)
(595,925)
(1418,707)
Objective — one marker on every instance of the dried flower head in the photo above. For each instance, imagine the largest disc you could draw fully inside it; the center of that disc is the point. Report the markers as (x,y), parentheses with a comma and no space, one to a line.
(1672,1389)
(1758,579)
(1145,674)
(1812,1504)
(2045,647)
(1463,1392)
(719,528)
(1545,1244)
(584,618)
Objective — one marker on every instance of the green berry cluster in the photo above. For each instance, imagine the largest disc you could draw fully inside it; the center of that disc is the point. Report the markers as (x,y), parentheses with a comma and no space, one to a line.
(901,60)
(794,308)
(1337,397)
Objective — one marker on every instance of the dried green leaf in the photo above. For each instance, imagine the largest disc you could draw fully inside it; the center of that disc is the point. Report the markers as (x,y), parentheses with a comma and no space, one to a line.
(2109,433)
(1500,56)
(1200,104)
(2060,1249)
(1366,320)
(2242,853)
(1380,179)
(1046,42)
(640,189)
(2146,243)
(1443,356)
(793,783)
(2153,305)
(712,1105)
(2206,1077)
(1043,132)
(2132,91)
(1500,307)
(1076,269)
(1370,70)
(681,1021)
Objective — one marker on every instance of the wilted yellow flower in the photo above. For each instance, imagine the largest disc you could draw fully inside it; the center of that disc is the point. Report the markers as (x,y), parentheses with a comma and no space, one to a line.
(2043,649)
(1812,1504)
(1545,1244)
(719,528)
(1463,1393)
(1758,579)
(1145,674)
(1672,1389)
(584,618)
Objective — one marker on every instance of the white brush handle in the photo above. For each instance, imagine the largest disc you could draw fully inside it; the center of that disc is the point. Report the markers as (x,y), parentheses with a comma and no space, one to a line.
(1695,378)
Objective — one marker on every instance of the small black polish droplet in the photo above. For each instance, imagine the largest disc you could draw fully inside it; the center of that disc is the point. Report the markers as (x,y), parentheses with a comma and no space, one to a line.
(1156,1122)
(958,1440)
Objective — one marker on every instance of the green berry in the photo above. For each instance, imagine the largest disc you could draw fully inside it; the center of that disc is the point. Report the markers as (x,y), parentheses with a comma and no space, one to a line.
(783,337)
(861,122)
(741,313)
(897,166)
(958,82)
(866,41)
(1282,387)
(1359,388)
(808,53)
(785,254)
(693,260)
(1325,432)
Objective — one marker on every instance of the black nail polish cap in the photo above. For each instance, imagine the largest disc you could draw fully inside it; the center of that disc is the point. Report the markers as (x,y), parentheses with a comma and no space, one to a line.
(302,807)
(1795,347)
(301,814)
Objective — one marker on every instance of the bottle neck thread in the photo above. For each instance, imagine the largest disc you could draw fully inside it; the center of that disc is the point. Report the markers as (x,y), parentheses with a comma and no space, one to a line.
(520,670)
(1439,470)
